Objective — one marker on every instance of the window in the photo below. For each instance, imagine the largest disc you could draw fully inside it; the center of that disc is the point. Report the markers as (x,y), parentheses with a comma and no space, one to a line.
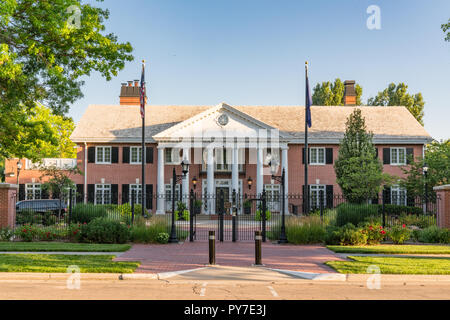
(317,155)
(102,194)
(172,156)
(169,196)
(314,193)
(103,155)
(135,155)
(273,192)
(136,189)
(398,156)
(33,191)
(398,196)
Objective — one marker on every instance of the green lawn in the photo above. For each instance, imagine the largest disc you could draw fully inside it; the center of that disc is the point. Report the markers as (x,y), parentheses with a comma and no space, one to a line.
(394,249)
(390,265)
(62,246)
(56,263)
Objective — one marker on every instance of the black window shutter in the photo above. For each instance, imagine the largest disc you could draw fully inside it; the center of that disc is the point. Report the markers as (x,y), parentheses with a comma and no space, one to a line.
(329,191)
(126,155)
(91,155)
(125,193)
(21,192)
(387,195)
(304,197)
(80,193)
(329,153)
(91,193)
(149,196)
(409,154)
(114,193)
(114,155)
(376,152)
(303,155)
(149,154)
(386,156)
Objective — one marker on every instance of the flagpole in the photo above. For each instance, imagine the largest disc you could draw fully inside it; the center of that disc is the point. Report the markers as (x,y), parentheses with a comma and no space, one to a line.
(143,153)
(306,142)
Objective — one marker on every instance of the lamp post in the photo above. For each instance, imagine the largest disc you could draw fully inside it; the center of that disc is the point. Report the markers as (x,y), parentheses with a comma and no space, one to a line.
(425,172)
(274,169)
(175,178)
(249,182)
(194,181)
(19,167)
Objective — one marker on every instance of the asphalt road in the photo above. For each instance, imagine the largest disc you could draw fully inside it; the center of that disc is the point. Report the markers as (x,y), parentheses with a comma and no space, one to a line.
(224,284)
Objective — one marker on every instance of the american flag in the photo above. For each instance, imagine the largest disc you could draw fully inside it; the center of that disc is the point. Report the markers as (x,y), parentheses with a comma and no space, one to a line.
(142,92)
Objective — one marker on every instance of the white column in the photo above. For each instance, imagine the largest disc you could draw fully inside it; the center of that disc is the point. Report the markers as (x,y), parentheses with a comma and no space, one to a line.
(235,169)
(185,181)
(259,171)
(210,180)
(284,165)
(160,203)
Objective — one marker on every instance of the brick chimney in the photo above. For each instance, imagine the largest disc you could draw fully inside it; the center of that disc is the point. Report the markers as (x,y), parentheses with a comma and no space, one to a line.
(349,93)
(130,94)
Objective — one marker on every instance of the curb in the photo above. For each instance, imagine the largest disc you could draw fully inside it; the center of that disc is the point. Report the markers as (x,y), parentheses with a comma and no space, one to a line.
(314,276)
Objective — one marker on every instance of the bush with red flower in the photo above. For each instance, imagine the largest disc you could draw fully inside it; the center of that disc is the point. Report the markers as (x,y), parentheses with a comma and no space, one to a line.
(375,232)
(399,233)
(26,232)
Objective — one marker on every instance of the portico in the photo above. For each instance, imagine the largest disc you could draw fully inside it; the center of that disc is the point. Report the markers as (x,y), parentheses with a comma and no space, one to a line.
(224,147)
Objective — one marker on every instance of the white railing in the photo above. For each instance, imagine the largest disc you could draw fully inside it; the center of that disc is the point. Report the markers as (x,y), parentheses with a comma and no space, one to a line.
(60,163)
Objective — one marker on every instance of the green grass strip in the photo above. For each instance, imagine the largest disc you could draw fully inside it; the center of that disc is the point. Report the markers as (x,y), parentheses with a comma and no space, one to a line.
(388,265)
(62,246)
(55,263)
(394,249)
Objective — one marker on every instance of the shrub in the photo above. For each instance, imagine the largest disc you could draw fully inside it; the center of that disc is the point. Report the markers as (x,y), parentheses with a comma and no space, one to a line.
(393,209)
(346,235)
(307,231)
(6,234)
(258,215)
(26,232)
(142,233)
(434,234)
(354,213)
(163,237)
(126,213)
(399,234)
(101,230)
(421,221)
(375,232)
(50,234)
(183,216)
(82,213)
(28,216)
(73,231)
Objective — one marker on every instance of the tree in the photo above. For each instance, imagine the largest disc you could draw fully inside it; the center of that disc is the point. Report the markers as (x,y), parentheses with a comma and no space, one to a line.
(437,159)
(59,181)
(45,49)
(396,95)
(359,172)
(2,170)
(445,27)
(332,94)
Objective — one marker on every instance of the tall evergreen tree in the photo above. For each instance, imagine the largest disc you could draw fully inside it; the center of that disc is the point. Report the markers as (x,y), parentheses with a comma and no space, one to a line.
(359,172)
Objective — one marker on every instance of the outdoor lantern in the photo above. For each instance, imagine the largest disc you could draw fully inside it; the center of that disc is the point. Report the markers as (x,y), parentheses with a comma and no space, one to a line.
(194,181)
(249,182)
(425,168)
(19,165)
(273,166)
(185,166)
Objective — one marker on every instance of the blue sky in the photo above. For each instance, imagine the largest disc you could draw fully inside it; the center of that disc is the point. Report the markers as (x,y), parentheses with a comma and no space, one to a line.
(252,52)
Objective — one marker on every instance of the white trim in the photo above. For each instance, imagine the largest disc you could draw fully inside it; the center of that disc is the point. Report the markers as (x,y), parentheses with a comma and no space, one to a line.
(139,150)
(397,163)
(317,156)
(102,189)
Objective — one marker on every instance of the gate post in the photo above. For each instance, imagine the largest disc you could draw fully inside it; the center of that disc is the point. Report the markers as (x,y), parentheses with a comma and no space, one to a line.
(233,217)
(191,220)
(221,212)
(263,215)
(8,199)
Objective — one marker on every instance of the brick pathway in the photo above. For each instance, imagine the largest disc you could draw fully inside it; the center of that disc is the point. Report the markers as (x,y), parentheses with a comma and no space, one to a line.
(175,257)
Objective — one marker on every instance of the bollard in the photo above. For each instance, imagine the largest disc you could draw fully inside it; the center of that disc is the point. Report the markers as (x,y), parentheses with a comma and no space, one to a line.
(212,247)
(258,240)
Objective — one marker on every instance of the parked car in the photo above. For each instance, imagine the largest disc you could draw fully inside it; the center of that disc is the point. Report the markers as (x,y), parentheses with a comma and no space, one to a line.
(41,206)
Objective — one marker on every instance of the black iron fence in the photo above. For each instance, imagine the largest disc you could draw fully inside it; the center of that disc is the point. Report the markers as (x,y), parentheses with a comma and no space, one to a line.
(234,216)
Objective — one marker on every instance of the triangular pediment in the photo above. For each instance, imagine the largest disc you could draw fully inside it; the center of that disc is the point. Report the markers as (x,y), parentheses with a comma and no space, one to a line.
(219,121)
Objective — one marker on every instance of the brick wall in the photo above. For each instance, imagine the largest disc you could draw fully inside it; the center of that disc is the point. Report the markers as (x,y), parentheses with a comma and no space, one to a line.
(7,204)
(443,194)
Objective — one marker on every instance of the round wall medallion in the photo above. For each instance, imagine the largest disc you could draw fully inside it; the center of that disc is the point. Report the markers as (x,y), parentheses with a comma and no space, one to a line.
(222,119)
